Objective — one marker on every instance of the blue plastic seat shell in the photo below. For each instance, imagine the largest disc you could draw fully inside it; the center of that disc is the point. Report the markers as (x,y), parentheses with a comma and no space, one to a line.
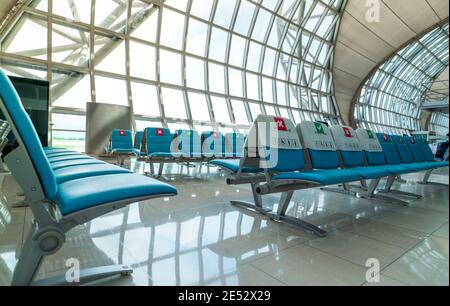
(233,166)
(72,163)
(82,171)
(88,192)
(322,177)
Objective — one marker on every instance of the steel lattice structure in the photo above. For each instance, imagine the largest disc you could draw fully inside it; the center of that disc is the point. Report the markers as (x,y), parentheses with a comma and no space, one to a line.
(391,97)
(202,64)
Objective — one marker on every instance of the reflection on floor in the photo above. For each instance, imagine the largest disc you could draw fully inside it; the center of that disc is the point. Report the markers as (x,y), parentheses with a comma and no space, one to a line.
(198,238)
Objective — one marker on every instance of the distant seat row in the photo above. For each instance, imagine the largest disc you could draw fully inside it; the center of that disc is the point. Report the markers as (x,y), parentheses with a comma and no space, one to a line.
(160,145)
(282,158)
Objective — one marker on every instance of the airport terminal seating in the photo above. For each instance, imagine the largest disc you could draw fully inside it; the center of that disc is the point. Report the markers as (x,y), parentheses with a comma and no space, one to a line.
(59,207)
(308,157)
(160,146)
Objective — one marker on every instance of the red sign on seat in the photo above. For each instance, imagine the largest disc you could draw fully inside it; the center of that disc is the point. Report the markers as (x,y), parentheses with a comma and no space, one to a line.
(122,133)
(159,132)
(385,138)
(347,133)
(281,125)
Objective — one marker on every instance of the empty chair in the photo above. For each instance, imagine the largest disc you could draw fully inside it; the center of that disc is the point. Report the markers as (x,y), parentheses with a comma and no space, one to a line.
(279,166)
(187,145)
(157,143)
(121,142)
(212,144)
(58,208)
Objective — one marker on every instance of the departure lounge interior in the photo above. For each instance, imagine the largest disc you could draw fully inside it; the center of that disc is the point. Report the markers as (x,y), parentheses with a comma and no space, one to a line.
(209,144)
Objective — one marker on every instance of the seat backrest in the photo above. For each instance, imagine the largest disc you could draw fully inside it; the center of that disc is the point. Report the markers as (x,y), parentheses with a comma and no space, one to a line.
(415,149)
(25,132)
(274,143)
(426,150)
(187,143)
(403,149)
(371,147)
(157,140)
(121,140)
(212,144)
(389,150)
(348,146)
(234,143)
(317,139)
(138,140)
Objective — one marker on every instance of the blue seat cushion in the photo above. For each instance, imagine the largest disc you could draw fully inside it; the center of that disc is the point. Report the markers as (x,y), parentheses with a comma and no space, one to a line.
(89,192)
(322,177)
(75,162)
(370,173)
(70,157)
(81,171)
(233,166)
(59,154)
(441,164)
(397,169)
(52,151)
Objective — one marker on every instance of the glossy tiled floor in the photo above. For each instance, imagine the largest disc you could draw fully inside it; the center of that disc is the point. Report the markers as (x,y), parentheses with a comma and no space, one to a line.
(198,238)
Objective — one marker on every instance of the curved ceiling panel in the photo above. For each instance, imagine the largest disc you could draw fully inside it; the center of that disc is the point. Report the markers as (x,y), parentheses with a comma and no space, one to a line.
(391,98)
(362,44)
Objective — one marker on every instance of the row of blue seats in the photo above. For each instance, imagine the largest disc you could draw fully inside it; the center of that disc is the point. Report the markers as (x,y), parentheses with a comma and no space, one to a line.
(314,155)
(64,189)
(156,143)
(160,142)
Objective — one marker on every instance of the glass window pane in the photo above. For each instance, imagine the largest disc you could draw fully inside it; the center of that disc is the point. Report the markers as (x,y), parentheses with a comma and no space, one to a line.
(142,61)
(171,29)
(145,99)
(173,103)
(170,67)
(196,42)
(239,112)
(220,109)
(111,91)
(195,73)
(199,107)
(75,95)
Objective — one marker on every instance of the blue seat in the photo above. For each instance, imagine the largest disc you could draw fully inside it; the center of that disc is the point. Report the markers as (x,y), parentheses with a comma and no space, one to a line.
(78,201)
(83,193)
(187,144)
(233,166)
(212,144)
(392,156)
(71,173)
(428,154)
(67,158)
(406,155)
(60,154)
(352,155)
(157,142)
(322,177)
(121,142)
(75,162)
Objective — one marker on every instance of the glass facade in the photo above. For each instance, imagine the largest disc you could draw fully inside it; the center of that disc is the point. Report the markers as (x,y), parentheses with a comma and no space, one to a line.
(201,64)
(439,123)
(391,98)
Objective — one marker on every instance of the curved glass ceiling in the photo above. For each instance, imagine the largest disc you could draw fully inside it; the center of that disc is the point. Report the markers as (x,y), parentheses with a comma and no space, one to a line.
(390,99)
(203,64)
(439,123)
